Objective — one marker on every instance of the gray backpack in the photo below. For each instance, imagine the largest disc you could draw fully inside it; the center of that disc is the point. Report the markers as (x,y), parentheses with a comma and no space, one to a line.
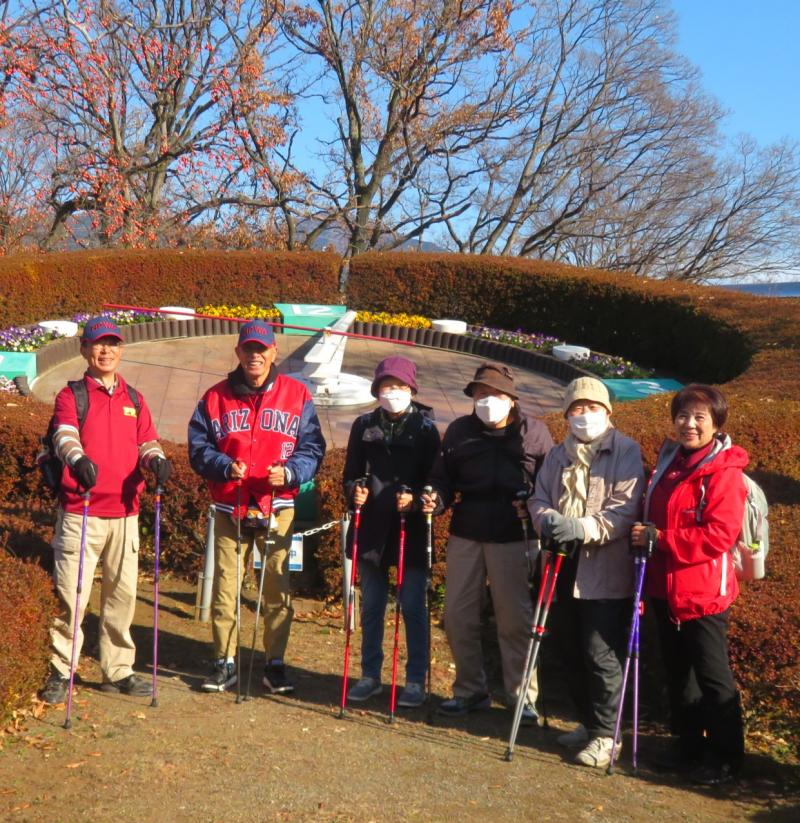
(750,551)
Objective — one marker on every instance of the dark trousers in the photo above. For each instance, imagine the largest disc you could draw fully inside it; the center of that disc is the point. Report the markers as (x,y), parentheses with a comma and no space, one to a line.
(591,637)
(703,696)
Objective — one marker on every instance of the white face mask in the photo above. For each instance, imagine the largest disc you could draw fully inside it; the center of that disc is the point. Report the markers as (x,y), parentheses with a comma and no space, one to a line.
(492,409)
(590,425)
(394,401)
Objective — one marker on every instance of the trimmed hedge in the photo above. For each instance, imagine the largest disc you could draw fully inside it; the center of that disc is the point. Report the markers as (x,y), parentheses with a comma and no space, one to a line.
(701,333)
(27,607)
(40,287)
(706,333)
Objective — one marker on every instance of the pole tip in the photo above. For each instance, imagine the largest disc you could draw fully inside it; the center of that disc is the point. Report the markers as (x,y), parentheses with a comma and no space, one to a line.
(154,703)
(67,724)
(508,756)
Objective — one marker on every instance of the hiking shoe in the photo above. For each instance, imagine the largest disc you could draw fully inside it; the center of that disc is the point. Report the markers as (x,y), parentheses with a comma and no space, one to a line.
(529,717)
(412,696)
(365,688)
(222,677)
(275,679)
(456,706)
(598,753)
(677,758)
(712,774)
(132,685)
(55,689)
(575,739)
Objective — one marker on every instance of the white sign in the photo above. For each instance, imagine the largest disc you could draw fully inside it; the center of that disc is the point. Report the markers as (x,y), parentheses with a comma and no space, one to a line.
(312,310)
(296,553)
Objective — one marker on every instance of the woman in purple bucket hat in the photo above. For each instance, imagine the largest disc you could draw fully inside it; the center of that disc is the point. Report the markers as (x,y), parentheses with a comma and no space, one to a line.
(389,455)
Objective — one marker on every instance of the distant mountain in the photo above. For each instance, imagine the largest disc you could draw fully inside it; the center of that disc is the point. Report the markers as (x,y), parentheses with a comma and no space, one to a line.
(336,237)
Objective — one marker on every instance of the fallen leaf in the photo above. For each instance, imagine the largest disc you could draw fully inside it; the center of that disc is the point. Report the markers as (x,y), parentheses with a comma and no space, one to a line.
(21,807)
(76,765)
(94,754)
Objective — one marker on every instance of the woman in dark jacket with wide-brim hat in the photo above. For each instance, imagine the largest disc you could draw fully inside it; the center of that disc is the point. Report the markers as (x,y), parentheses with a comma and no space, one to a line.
(393,447)
(488,458)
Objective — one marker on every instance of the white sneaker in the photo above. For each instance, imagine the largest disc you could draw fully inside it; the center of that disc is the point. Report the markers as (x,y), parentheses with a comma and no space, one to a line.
(598,753)
(575,739)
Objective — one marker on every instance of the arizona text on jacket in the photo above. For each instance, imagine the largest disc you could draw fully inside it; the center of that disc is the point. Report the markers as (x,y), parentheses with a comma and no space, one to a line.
(276,423)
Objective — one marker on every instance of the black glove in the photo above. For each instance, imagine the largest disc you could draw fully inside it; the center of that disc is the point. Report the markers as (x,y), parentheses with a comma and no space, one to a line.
(162,470)
(85,472)
(650,539)
(566,529)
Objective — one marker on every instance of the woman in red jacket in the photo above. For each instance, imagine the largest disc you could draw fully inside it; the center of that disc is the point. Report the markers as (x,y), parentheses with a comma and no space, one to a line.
(696,502)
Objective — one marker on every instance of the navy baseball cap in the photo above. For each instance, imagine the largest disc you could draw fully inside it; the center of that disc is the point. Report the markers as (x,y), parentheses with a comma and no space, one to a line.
(97,327)
(256,331)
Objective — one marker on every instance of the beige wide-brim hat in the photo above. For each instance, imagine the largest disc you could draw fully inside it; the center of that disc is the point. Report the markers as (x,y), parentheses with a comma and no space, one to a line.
(586,388)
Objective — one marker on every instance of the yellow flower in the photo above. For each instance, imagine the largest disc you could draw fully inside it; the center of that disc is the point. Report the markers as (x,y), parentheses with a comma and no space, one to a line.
(414,321)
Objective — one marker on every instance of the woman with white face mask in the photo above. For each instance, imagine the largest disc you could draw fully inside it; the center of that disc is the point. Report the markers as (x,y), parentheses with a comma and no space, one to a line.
(393,446)
(588,494)
(488,458)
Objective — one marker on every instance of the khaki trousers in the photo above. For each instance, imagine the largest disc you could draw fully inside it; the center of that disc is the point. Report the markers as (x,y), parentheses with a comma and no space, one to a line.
(277,602)
(116,541)
(469,563)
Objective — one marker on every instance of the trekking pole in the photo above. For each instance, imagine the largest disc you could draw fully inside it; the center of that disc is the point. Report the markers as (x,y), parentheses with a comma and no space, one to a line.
(398,594)
(157,552)
(641,555)
(76,619)
(260,592)
(552,566)
(521,497)
(351,600)
(428,490)
(238,591)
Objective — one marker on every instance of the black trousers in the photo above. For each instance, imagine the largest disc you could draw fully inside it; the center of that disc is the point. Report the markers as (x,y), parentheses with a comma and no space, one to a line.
(706,711)
(591,637)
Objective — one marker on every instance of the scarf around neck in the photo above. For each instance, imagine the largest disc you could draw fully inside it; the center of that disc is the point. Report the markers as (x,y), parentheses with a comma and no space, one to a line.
(575,477)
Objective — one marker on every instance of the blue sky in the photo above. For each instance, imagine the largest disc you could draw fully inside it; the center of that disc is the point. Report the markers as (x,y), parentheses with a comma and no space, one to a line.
(749,56)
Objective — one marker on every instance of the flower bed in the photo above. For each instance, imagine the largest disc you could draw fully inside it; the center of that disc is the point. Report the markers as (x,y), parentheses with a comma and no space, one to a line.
(410,321)
(251,312)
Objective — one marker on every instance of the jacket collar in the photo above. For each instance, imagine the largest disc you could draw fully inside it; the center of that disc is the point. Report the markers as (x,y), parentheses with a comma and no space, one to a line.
(666,454)
(240,386)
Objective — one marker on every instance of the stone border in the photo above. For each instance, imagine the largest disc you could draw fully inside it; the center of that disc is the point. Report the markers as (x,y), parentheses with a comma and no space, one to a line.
(63,349)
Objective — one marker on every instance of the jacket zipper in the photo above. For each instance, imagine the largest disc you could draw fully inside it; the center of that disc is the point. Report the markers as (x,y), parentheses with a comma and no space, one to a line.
(723,586)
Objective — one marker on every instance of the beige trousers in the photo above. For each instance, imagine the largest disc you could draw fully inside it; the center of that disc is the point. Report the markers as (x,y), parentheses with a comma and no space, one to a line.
(277,602)
(469,563)
(116,541)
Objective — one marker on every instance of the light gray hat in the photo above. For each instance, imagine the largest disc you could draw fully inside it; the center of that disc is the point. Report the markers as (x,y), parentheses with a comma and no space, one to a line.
(586,388)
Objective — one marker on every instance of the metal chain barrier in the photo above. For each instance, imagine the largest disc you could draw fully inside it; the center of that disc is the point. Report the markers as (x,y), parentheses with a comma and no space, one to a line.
(322,528)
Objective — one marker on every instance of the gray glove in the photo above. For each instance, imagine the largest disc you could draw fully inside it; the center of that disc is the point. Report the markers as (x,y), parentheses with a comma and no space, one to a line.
(546,525)
(566,529)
